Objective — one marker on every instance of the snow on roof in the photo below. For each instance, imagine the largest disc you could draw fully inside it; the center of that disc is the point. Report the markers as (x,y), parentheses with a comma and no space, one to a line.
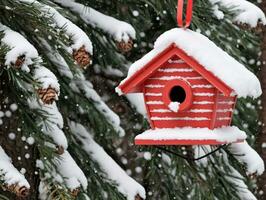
(212,58)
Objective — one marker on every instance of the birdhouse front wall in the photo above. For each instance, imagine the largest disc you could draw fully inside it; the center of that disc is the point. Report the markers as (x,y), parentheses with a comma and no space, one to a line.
(200,103)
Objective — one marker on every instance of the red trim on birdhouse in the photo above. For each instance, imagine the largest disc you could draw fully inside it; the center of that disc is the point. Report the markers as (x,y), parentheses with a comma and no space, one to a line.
(180,142)
(188,93)
(134,83)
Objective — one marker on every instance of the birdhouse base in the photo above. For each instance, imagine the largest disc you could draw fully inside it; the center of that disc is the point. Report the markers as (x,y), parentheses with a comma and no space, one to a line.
(191,136)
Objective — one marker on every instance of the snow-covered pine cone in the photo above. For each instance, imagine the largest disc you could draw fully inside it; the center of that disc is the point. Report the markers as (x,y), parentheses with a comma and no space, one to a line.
(125,47)
(60,150)
(258,29)
(82,57)
(20,191)
(19,62)
(74,193)
(138,198)
(48,96)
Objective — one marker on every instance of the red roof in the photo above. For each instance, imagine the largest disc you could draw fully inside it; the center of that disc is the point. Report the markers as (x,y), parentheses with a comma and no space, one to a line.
(134,83)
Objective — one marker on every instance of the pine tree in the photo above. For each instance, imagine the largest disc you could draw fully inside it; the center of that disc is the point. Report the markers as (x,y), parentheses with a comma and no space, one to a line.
(51,114)
(43,55)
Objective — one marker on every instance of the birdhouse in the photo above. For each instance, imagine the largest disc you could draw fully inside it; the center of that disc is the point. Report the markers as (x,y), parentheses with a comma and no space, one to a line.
(190,88)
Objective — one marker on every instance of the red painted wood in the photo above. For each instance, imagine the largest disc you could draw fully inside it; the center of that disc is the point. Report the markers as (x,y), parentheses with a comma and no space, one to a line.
(203,90)
(183,114)
(148,109)
(199,90)
(194,106)
(202,99)
(222,98)
(195,98)
(131,85)
(233,108)
(224,114)
(183,74)
(220,124)
(154,90)
(220,85)
(181,123)
(225,106)
(175,65)
(207,92)
(215,106)
(178,123)
(137,79)
(180,142)
(191,81)
(186,86)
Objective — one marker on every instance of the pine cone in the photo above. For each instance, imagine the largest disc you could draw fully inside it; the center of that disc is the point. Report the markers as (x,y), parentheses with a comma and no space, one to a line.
(125,47)
(19,62)
(48,96)
(20,191)
(138,198)
(252,176)
(258,29)
(74,193)
(60,150)
(82,57)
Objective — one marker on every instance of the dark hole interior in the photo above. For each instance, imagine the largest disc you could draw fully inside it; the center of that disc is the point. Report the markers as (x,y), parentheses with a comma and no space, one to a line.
(177,94)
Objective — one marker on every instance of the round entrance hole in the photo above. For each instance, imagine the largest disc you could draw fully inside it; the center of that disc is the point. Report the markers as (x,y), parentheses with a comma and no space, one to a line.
(178,91)
(177,94)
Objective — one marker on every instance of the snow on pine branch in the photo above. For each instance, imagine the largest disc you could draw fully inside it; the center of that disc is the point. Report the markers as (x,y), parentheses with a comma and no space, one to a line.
(66,173)
(78,36)
(52,126)
(71,173)
(121,31)
(82,86)
(19,46)
(53,123)
(248,156)
(46,78)
(243,192)
(237,180)
(58,60)
(247,12)
(231,174)
(9,174)
(125,184)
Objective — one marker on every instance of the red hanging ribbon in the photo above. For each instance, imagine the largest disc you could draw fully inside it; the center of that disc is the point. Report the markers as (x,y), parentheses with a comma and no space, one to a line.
(189,12)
